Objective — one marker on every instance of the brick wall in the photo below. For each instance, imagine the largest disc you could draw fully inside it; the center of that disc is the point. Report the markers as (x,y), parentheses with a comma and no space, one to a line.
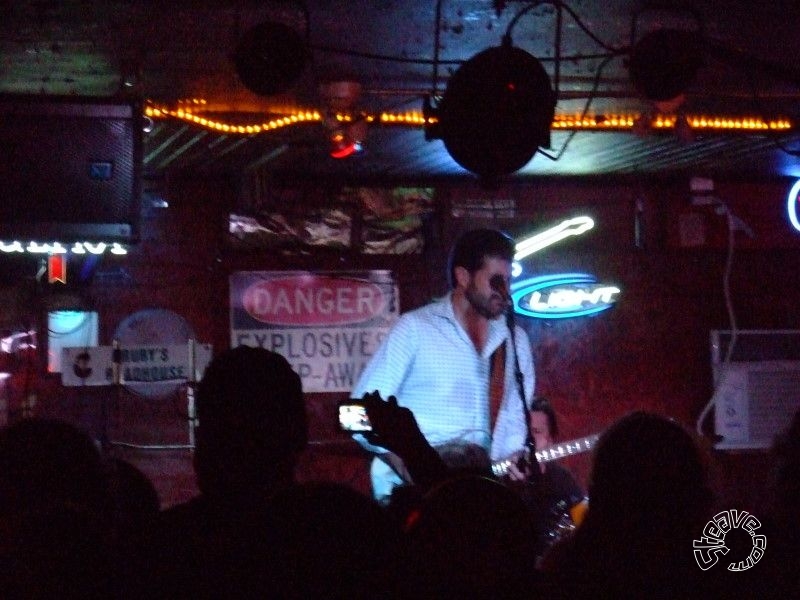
(650,352)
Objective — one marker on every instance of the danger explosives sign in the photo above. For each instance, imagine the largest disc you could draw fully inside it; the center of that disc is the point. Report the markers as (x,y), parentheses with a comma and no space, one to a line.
(327,325)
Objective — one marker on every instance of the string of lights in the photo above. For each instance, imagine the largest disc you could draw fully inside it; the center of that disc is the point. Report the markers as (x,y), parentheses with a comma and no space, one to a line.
(192,112)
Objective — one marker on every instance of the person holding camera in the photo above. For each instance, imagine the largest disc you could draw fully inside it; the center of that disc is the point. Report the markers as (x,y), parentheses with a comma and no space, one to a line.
(452,363)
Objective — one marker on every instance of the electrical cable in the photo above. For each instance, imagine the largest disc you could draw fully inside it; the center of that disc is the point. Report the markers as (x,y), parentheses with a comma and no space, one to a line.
(732,324)
(613,52)
(440,62)
(562,5)
(436,41)
(759,107)
(589,99)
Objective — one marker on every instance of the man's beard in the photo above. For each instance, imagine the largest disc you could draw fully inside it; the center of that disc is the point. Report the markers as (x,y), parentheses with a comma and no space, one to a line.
(483,305)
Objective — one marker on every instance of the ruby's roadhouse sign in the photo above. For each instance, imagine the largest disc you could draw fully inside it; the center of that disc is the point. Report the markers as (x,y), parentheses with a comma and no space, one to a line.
(327,324)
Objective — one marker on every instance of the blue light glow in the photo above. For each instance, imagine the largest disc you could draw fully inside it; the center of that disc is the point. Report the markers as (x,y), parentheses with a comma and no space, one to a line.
(581,296)
(791,205)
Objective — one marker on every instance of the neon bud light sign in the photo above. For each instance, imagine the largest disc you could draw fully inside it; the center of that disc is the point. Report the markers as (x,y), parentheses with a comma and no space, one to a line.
(562,296)
(791,205)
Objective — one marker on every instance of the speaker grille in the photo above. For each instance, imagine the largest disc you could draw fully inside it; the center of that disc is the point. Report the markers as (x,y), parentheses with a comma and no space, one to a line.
(70,172)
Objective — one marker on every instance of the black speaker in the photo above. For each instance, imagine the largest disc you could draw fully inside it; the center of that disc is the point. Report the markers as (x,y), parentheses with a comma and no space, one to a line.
(270,57)
(70,169)
(497,111)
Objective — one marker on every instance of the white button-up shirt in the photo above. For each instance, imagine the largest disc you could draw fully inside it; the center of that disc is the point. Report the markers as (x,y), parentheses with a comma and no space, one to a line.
(429,363)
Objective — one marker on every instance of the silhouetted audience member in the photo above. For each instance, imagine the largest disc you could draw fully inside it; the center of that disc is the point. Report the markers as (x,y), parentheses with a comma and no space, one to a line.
(55,513)
(648,500)
(330,542)
(471,537)
(252,427)
(458,458)
(465,458)
(395,428)
(134,501)
(780,564)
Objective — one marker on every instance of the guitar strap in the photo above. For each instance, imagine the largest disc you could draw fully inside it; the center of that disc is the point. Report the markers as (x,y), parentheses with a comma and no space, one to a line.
(497,372)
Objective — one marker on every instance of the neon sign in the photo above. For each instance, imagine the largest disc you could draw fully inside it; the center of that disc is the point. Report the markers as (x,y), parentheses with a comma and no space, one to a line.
(569,227)
(58,248)
(791,205)
(562,296)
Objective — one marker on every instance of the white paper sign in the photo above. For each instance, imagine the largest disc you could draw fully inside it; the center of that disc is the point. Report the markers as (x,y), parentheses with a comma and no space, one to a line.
(145,365)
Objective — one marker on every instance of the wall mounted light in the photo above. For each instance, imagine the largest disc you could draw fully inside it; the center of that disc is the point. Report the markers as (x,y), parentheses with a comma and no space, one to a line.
(347,139)
(346,130)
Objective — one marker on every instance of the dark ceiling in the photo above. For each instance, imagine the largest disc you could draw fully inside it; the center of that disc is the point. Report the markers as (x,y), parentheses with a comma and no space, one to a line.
(168,52)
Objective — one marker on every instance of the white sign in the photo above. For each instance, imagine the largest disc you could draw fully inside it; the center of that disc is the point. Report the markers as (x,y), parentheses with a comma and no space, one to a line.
(138,364)
(327,325)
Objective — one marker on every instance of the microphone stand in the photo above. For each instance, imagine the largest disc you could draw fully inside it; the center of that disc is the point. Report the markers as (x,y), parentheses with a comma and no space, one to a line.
(530,442)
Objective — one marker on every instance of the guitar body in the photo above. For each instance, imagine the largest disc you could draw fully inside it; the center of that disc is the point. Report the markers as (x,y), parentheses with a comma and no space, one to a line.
(577,512)
(554,498)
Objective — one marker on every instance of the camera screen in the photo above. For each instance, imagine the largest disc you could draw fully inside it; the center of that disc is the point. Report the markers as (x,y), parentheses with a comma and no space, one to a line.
(353,417)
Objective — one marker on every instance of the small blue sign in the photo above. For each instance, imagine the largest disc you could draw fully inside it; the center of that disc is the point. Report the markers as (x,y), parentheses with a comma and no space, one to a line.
(101,171)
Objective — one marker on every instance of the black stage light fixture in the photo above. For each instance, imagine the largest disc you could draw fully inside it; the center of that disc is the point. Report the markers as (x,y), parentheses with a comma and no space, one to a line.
(496,111)
(664,63)
(270,57)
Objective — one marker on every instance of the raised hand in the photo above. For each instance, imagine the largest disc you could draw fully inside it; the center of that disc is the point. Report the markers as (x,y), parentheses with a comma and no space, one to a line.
(395,428)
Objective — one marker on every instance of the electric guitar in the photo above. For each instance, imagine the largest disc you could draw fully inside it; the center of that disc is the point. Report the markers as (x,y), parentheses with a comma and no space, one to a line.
(554,452)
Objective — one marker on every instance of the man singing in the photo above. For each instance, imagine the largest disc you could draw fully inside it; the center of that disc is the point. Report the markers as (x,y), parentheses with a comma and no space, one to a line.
(442,359)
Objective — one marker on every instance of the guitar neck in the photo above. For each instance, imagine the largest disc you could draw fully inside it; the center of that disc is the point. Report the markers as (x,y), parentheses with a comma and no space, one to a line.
(554,452)
(557,451)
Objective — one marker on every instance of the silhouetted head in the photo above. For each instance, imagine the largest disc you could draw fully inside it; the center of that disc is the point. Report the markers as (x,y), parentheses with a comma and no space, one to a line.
(465,458)
(648,472)
(252,421)
(330,541)
(135,498)
(46,463)
(471,537)
(55,513)
(786,451)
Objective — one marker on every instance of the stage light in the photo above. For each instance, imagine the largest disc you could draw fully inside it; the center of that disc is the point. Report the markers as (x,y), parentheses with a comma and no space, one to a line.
(496,111)
(347,139)
(342,145)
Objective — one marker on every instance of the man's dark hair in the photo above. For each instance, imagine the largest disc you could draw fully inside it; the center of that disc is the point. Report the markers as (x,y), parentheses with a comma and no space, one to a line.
(251,415)
(544,406)
(473,246)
